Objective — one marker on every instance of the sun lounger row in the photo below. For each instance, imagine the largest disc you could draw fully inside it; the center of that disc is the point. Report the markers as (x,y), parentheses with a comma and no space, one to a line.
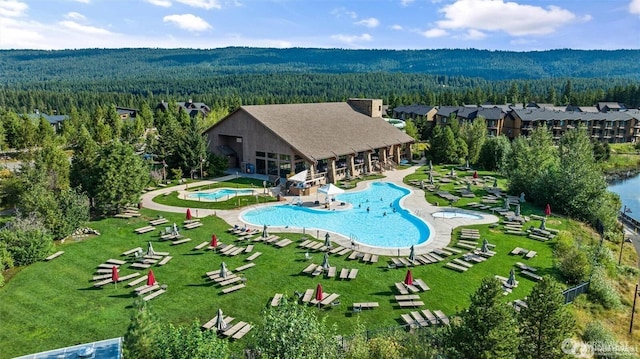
(346,273)
(312,244)
(235,331)
(424,318)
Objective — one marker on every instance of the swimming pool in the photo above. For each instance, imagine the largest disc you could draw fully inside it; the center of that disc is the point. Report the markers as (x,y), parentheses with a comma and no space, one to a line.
(455,214)
(370,221)
(220,194)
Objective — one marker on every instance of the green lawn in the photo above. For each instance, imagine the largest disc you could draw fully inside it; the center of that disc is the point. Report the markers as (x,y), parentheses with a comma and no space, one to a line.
(53,304)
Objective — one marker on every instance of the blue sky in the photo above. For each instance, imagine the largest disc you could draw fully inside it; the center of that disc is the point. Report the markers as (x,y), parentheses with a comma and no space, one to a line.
(519,25)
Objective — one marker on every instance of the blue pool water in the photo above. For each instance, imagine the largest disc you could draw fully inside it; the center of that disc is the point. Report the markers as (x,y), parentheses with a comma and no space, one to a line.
(220,194)
(393,230)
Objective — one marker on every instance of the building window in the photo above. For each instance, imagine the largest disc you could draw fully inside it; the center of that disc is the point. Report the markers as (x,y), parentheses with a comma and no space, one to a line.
(285,157)
(260,154)
(261,166)
(272,155)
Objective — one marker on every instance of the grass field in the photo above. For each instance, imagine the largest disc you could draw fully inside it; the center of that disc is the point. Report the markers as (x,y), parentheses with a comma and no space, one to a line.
(54,304)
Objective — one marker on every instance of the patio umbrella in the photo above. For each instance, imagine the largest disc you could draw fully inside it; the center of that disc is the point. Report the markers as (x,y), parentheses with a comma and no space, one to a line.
(517,210)
(506,203)
(330,189)
(475,174)
(430,166)
(412,254)
(495,183)
(327,241)
(115,276)
(151,279)
(223,270)
(469,186)
(319,294)
(547,210)
(188,213)
(175,228)
(264,232)
(408,279)
(150,251)
(325,261)
(543,224)
(220,323)
(512,278)
(466,164)
(453,172)
(214,241)
(430,178)
(485,246)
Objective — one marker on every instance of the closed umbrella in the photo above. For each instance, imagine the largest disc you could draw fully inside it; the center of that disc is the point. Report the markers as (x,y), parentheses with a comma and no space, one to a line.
(223,270)
(220,323)
(325,261)
(319,294)
(547,210)
(264,232)
(517,210)
(430,166)
(115,276)
(543,224)
(327,241)
(151,279)
(408,279)
(506,203)
(214,241)
(469,186)
(475,174)
(495,183)
(512,278)
(188,213)
(485,246)
(412,254)
(150,251)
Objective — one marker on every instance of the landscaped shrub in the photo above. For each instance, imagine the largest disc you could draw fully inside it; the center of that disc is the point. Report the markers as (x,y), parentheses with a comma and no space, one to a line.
(27,240)
(602,291)
(574,265)
(599,337)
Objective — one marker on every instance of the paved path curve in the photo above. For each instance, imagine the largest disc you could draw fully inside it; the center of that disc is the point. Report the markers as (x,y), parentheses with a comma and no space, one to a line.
(441,229)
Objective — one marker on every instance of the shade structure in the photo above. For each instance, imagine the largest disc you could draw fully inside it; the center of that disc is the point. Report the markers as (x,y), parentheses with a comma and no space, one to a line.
(408,279)
(512,278)
(214,241)
(223,270)
(299,177)
(150,251)
(412,254)
(115,276)
(151,279)
(327,240)
(325,261)
(319,293)
(475,174)
(264,232)
(220,323)
(485,246)
(547,210)
(330,189)
(188,213)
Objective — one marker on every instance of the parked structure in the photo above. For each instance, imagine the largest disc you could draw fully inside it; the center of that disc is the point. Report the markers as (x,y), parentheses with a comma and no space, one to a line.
(333,141)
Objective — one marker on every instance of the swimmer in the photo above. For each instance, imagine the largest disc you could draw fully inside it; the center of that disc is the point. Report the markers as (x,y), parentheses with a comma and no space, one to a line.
(368,209)
(394,210)
(384,214)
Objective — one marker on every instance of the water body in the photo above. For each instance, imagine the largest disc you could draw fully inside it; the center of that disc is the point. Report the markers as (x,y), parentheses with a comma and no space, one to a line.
(629,192)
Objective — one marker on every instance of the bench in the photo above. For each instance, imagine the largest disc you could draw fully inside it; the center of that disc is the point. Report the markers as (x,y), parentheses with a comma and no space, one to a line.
(201,245)
(108,266)
(233,289)
(355,255)
(154,294)
(516,251)
(465,245)
(531,275)
(55,255)
(175,243)
(253,256)
(164,260)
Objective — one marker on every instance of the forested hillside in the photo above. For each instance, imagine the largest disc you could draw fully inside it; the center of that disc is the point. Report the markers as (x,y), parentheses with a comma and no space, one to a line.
(229,77)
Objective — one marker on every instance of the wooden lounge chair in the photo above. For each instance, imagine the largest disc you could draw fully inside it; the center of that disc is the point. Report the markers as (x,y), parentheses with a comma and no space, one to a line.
(55,255)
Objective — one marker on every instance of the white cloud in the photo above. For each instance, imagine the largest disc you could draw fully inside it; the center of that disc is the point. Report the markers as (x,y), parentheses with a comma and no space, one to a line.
(474,34)
(188,22)
(82,1)
(510,17)
(634,7)
(370,22)
(163,3)
(435,33)
(12,8)
(204,4)
(340,12)
(350,39)
(75,16)
(406,2)
(396,27)
(86,29)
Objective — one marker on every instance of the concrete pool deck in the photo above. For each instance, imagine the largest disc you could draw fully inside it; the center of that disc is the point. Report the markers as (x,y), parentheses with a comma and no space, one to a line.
(415,202)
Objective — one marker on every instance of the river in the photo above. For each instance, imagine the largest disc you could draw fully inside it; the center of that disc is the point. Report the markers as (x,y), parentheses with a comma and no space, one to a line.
(629,192)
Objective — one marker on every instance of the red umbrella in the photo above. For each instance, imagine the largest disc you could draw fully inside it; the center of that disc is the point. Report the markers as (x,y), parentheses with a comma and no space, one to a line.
(114,274)
(547,210)
(151,279)
(214,241)
(475,174)
(188,213)
(408,280)
(319,293)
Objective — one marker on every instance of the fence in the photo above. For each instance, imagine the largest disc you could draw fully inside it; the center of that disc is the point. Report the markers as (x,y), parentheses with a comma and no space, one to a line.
(571,293)
(631,222)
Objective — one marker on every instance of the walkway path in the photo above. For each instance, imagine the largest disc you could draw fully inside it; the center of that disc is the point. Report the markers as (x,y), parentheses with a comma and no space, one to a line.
(440,228)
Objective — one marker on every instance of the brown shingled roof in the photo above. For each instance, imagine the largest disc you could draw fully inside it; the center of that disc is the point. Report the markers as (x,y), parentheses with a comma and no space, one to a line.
(324,130)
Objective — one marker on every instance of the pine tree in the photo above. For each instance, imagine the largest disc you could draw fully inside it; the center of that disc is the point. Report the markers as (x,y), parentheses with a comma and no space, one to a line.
(139,340)
(545,322)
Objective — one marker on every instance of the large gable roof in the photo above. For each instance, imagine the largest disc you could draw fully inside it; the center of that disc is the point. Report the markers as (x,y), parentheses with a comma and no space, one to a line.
(325,130)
